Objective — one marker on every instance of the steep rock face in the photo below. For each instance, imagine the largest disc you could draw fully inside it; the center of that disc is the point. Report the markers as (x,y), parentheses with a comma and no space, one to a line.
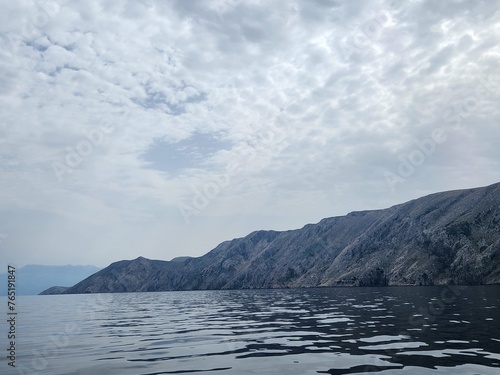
(451,237)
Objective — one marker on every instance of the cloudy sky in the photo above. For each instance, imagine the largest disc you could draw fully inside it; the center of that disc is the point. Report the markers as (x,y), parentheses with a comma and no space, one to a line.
(162,128)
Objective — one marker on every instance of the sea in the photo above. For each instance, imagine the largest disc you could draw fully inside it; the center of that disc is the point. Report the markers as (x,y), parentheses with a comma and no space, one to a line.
(382,330)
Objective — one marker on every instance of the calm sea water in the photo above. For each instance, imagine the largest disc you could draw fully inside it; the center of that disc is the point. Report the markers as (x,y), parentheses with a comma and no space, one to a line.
(413,330)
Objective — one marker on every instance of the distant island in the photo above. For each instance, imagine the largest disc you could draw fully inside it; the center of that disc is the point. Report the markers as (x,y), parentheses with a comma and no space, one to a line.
(34,278)
(451,237)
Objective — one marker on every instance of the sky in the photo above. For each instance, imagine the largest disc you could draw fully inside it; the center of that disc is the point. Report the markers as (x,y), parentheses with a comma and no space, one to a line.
(162,128)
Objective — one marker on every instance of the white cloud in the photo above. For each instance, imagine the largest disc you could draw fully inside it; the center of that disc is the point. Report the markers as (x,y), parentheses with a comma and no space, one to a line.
(309,105)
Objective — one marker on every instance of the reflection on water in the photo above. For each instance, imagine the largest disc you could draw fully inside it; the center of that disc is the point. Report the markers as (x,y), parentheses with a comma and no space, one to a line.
(414,330)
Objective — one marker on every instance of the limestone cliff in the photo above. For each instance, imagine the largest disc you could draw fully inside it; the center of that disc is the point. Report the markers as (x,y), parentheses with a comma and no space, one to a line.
(445,238)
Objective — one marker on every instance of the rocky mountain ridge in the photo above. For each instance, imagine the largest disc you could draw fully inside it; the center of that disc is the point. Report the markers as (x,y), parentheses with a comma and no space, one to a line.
(444,238)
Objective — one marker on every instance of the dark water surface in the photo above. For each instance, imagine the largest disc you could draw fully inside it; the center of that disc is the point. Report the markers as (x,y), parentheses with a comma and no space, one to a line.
(412,330)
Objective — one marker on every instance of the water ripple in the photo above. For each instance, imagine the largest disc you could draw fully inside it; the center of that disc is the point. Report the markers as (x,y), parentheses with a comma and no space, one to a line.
(331,331)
